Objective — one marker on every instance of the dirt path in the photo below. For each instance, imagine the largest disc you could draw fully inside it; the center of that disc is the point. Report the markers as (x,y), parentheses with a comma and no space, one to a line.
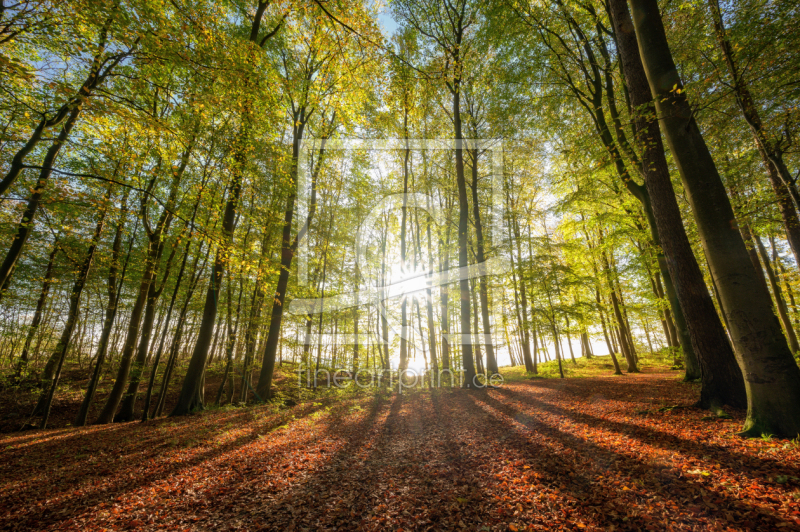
(582,454)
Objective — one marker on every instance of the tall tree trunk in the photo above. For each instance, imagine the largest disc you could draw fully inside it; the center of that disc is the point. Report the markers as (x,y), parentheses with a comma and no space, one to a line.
(772,378)
(771,153)
(191,395)
(557,344)
(600,310)
(669,325)
(179,327)
(721,376)
(47,280)
(777,260)
(114,287)
(569,343)
(112,402)
(624,338)
(586,346)
(167,320)
(444,297)
(522,306)
(384,322)
(478,356)
(780,304)
(429,305)
(126,411)
(491,361)
(251,332)
(600,80)
(468,364)
(404,330)
(288,249)
(155,246)
(62,347)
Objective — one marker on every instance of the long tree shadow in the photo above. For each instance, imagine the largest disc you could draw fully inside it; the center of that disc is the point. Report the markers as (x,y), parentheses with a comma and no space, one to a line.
(583,468)
(664,440)
(652,388)
(95,445)
(307,490)
(64,491)
(424,481)
(396,467)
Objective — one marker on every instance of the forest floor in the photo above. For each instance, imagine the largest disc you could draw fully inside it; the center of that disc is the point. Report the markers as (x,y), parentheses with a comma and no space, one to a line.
(591,453)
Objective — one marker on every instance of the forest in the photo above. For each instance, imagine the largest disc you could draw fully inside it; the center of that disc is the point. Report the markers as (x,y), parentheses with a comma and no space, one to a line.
(399,265)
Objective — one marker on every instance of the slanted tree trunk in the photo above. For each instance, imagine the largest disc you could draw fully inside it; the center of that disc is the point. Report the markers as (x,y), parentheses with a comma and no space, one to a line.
(600,310)
(721,376)
(26,225)
(772,378)
(114,287)
(669,325)
(783,185)
(69,109)
(126,411)
(167,320)
(102,65)
(779,265)
(179,327)
(627,350)
(155,246)
(780,303)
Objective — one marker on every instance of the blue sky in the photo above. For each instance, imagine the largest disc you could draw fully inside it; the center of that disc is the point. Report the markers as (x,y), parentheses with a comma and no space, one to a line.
(388,24)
